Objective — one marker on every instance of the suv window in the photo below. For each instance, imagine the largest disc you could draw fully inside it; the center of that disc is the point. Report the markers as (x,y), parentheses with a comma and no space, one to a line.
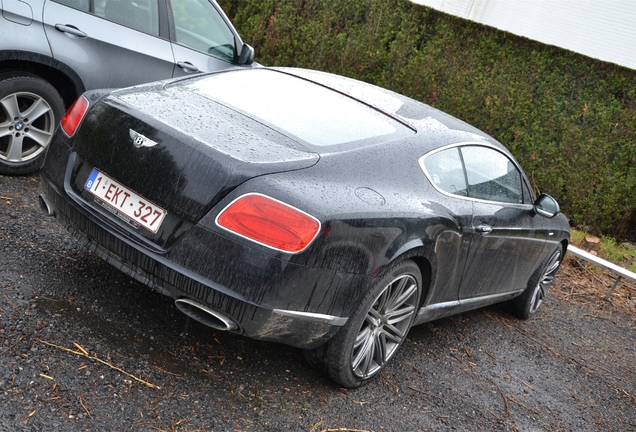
(140,15)
(83,5)
(199,26)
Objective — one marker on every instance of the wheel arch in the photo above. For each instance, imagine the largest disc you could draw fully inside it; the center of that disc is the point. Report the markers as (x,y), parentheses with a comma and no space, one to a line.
(425,259)
(65,80)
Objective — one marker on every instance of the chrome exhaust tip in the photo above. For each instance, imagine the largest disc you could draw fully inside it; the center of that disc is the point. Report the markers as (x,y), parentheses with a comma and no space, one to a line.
(46,206)
(205,315)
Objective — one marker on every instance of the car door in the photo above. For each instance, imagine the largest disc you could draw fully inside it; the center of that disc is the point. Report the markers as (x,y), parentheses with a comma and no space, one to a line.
(203,40)
(506,243)
(110,43)
(445,171)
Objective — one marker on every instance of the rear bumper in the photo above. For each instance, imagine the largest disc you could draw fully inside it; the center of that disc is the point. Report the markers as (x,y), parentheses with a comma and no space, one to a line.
(267,298)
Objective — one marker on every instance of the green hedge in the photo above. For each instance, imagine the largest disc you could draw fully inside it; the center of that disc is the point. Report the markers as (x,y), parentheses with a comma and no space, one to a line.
(569,119)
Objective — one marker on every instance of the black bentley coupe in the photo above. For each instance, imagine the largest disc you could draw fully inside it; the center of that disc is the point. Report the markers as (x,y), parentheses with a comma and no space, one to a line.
(302,207)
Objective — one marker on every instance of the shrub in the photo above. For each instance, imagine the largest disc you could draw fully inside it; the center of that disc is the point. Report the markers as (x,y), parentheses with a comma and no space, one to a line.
(569,119)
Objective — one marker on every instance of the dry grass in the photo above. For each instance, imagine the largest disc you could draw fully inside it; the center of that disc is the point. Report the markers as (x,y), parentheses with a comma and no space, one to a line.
(584,283)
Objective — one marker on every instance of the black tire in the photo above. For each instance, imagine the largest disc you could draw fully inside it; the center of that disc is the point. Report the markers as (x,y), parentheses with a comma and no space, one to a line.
(375,331)
(30,109)
(529,301)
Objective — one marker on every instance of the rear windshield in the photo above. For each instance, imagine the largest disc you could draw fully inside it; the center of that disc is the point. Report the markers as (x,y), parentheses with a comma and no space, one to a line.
(315,114)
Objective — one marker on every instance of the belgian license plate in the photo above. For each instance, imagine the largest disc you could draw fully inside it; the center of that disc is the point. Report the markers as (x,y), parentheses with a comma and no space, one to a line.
(124,203)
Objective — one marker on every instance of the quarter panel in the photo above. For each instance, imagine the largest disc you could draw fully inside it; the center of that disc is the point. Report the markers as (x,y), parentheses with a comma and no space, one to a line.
(22,30)
(364,232)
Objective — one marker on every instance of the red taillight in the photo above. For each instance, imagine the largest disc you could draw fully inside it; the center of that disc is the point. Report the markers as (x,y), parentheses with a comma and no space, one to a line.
(269,222)
(74,115)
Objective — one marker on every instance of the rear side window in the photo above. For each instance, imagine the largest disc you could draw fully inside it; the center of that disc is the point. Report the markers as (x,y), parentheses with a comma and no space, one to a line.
(446,171)
(141,15)
(476,171)
(83,5)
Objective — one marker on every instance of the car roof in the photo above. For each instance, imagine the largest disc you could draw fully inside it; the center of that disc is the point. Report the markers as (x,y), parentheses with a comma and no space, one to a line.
(424,118)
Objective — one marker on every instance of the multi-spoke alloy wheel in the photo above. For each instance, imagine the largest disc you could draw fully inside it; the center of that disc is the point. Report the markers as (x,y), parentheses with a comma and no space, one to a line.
(528,302)
(373,334)
(29,111)
(385,326)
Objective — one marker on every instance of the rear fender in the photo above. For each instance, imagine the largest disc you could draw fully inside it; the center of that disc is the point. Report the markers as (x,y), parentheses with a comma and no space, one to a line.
(65,80)
(425,258)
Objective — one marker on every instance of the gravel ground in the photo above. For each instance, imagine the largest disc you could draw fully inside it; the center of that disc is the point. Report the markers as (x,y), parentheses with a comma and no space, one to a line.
(83,347)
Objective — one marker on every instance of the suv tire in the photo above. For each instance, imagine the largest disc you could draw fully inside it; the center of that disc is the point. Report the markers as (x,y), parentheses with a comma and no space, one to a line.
(30,109)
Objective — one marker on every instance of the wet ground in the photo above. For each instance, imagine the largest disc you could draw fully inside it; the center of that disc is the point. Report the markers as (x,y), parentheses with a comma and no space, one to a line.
(84,347)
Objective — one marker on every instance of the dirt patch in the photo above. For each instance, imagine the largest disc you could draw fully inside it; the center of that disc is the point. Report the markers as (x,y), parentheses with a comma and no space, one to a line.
(586,284)
(80,341)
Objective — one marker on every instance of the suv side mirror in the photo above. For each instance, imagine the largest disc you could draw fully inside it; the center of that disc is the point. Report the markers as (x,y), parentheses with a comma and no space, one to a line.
(546,206)
(246,57)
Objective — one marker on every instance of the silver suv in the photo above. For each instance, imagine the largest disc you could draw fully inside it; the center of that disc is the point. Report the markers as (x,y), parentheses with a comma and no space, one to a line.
(51,51)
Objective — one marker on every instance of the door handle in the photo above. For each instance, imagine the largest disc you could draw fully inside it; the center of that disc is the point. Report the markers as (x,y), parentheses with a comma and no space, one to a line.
(484,229)
(188,67)
(72,30)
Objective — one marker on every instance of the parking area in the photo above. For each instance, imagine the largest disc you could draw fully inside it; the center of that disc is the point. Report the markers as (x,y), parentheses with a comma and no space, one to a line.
(84,347)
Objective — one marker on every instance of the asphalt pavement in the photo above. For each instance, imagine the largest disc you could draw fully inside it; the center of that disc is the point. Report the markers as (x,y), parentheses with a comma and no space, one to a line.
(84,347)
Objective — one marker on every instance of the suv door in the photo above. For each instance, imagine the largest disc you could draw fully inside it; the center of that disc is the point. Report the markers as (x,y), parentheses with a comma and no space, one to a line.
(203,39)
(110,43)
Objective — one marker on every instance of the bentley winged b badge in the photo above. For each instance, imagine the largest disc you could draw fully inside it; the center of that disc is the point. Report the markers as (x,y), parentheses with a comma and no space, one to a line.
(140,141)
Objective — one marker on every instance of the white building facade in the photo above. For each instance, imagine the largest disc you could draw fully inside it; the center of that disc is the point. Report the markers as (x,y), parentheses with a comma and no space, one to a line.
(601,29)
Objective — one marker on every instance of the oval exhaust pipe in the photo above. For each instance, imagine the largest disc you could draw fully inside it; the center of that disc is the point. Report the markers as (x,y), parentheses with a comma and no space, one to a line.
(45,205)
(205,315)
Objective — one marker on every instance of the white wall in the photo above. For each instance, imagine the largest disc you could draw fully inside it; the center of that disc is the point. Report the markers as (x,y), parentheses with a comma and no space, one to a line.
(602,29)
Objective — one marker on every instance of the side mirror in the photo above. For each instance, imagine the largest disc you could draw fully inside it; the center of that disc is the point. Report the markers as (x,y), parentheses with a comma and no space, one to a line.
(246,57)
(546,206)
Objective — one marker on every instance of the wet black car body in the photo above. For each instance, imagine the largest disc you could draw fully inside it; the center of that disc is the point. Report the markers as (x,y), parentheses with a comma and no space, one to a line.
(412,214)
